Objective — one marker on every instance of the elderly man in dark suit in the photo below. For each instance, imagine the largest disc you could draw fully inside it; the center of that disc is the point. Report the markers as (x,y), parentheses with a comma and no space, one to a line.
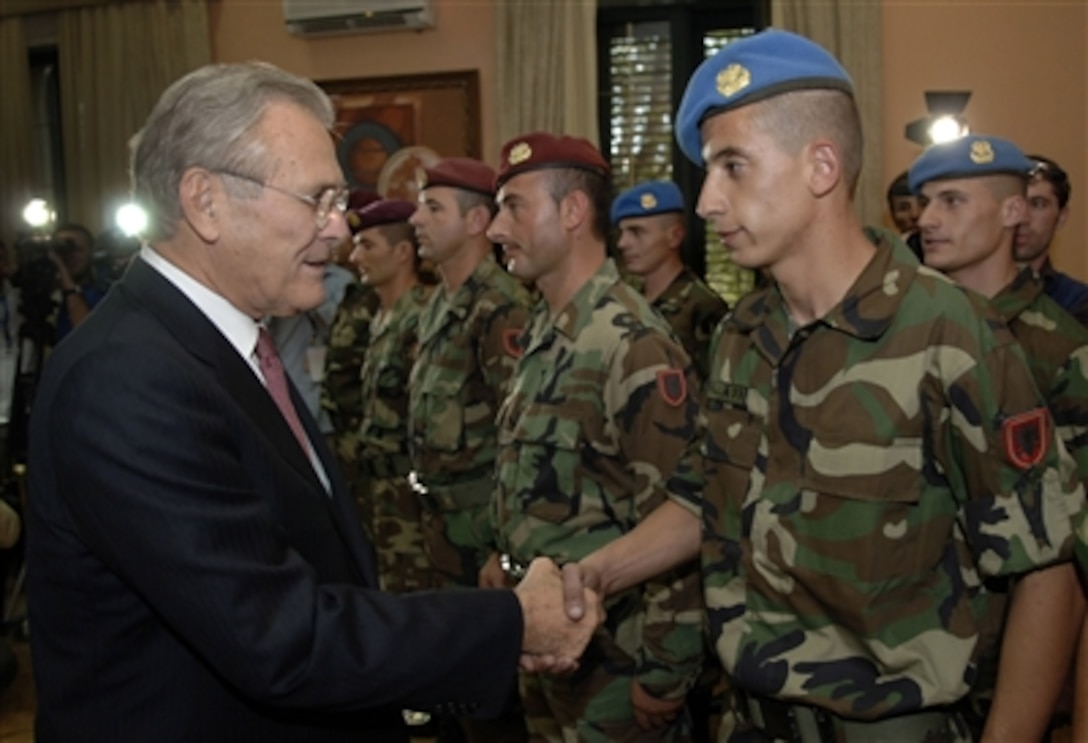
(197,572)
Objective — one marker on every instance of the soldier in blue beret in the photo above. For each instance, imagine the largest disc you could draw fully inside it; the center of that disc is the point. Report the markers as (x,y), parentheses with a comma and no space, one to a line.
(972,195)
(652,225)
(876,450)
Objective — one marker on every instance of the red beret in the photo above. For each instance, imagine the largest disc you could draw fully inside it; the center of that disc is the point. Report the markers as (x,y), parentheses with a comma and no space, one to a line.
(377,213)
(459,172)
(542,150)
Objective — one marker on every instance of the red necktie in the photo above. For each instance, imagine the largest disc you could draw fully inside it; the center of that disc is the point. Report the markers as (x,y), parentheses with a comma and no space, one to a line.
(276,382)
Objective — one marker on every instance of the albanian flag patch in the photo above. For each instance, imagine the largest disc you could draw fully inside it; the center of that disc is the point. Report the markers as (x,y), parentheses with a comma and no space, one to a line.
(1026,437)
(511,342)
(673,386)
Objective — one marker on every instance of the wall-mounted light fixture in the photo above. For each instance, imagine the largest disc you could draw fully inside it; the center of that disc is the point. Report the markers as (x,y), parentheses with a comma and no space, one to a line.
(945,121)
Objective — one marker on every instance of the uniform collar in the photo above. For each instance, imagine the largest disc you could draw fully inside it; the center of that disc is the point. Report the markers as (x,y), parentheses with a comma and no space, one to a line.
(866,312)
(576,314)
(1019,295)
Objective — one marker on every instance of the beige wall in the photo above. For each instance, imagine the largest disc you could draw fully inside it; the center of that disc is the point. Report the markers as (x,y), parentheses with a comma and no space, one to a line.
(1026,65)
(462,39)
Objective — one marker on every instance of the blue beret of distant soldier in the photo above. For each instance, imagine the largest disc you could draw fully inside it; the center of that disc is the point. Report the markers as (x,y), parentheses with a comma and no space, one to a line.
(968,157)
(753,69)
(646,199)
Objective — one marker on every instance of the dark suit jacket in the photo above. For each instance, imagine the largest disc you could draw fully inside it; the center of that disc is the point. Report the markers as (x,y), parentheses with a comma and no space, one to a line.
(191,580)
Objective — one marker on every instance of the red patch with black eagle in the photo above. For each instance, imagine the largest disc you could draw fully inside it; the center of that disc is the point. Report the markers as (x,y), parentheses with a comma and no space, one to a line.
(511,342)
(1027,437)
(673,386)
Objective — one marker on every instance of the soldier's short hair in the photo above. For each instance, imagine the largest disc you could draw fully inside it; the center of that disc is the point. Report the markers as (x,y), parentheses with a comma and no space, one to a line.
(565,181)
(795,118)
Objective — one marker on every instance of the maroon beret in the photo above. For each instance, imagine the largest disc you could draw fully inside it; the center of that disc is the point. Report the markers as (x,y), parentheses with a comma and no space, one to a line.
(542,150)
(459,172)
(377,213)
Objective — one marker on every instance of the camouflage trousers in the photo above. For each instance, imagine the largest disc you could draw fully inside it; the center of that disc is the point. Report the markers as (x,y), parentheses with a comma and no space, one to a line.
(398,538)
(457,543)
(593,705)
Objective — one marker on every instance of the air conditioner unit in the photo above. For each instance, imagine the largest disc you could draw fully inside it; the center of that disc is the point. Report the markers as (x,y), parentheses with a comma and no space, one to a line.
(328,17)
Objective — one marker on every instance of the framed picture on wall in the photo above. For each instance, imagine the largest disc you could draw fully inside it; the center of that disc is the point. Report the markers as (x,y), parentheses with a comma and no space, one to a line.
(388,127)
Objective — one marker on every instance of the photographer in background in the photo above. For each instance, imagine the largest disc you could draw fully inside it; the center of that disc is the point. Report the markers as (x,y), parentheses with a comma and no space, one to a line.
(72,254)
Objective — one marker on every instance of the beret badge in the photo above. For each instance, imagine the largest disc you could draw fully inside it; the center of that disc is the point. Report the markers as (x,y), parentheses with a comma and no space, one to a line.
(733,79)
(648,201)
(982,152)
(519,153)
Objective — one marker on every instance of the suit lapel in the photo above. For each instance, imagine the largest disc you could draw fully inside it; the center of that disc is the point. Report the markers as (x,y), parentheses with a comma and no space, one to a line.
(198,335)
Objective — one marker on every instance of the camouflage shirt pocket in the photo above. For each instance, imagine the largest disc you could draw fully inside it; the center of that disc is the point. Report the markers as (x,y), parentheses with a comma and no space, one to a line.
(872,492)
(443,421)
(547,473)
(872,471)
(731,447)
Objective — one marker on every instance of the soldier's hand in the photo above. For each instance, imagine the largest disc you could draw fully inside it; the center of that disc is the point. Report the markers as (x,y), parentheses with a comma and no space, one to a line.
(492,575)
(552,641)
(577,577)
(651,712)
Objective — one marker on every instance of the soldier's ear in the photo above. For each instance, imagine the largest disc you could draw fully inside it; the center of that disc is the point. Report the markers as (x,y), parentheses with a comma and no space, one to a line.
(1014,210)
(477,220)
(574,210)
(824,166)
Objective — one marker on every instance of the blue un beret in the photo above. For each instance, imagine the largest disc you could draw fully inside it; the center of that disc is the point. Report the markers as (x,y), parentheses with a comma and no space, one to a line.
(645,199)
(968,157)
(752,69)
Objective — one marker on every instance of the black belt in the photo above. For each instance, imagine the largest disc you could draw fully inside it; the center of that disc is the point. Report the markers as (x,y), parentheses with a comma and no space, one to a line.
(803,723)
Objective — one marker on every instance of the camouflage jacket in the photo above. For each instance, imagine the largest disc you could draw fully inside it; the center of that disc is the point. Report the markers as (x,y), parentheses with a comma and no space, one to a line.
(341,395)
(602,406)
(1056,347)
(864,474)
(467,351)
(692,309)
(393,342)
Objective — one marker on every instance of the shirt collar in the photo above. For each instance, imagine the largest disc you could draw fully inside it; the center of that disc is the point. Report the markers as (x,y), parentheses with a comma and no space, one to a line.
(237,327)
(866,311)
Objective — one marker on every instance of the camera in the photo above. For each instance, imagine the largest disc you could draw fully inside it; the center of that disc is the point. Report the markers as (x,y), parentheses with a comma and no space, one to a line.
(36,275)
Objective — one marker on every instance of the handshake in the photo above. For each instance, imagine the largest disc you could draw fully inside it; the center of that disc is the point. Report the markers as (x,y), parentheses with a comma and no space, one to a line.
(560,614)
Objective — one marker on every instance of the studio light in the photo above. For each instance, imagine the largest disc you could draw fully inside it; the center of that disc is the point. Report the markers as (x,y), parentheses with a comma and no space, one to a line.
(945,120)
(38,214)
(131,219)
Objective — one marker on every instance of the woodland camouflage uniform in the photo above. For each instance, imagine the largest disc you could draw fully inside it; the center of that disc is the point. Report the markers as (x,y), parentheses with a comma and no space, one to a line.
(602,406)
(692,309)
(341,394)
(467,351)
(383,438)
(863,475)
(1056,347)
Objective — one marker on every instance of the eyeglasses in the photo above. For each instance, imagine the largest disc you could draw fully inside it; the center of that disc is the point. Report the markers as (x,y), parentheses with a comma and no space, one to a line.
(332,197)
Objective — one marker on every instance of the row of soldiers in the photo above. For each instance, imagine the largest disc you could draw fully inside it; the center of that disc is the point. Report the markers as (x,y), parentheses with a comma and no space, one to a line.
(863,488)
(420,360)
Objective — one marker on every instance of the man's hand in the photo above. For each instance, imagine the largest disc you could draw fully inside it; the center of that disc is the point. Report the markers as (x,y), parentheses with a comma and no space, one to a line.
(65,282)
(553,642)
(492,575)
(577,577)
(651,712)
